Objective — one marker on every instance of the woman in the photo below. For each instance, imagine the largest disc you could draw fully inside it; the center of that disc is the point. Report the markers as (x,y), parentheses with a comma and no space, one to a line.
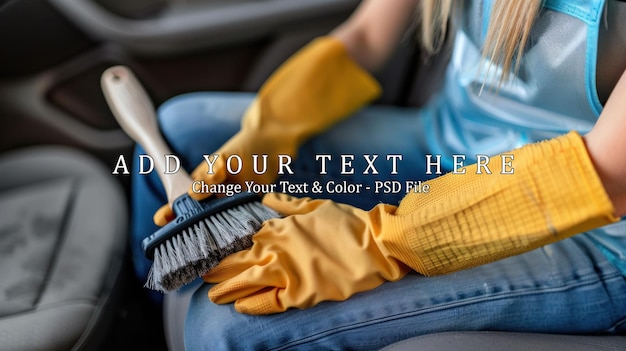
(494,100)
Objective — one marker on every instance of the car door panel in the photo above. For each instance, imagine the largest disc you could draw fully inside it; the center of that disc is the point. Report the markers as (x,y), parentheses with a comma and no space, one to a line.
(55,50)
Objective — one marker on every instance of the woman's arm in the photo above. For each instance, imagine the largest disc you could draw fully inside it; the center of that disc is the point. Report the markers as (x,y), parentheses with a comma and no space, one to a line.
(606,144)
(373,31)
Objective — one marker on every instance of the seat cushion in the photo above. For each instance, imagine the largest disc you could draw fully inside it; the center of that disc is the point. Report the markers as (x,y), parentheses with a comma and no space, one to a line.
(492,341)
(63,224)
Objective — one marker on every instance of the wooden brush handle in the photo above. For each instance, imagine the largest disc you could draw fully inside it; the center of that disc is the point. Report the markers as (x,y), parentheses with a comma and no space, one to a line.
(135,113)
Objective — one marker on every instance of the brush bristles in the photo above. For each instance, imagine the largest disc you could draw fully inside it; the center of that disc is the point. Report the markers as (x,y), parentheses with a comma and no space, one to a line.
(196,250)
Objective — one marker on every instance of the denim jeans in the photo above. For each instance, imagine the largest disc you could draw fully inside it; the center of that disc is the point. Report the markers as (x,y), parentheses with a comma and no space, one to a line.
(566,287)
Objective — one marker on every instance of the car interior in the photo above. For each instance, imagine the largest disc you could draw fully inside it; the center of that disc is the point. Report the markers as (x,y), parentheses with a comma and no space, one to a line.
(67,283)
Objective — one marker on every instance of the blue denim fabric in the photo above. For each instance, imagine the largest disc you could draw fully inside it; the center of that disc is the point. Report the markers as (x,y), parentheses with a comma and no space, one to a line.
(567,287)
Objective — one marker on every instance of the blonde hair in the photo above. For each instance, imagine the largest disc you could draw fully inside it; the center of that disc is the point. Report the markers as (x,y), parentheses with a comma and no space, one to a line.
(509,28)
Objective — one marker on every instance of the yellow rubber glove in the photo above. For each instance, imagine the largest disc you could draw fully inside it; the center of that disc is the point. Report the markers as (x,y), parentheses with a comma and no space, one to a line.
(312,90)
(321,251)
(327,251)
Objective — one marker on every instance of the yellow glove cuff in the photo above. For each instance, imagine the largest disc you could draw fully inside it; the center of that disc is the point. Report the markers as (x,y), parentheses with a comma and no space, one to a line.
(316,87)
(472,219)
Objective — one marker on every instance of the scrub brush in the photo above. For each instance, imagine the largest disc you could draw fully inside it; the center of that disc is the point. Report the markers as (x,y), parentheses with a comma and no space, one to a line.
(203,232)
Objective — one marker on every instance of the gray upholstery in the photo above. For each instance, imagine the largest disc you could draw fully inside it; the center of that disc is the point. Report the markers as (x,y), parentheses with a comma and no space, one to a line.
(492,341)
(63,223)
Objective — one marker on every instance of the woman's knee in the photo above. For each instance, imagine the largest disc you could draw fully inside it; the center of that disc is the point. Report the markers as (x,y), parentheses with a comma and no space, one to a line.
(209,326)
(198,123)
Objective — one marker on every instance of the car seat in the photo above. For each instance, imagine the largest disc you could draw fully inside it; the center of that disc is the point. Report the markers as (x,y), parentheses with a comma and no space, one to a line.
(63,225)
(488,341)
